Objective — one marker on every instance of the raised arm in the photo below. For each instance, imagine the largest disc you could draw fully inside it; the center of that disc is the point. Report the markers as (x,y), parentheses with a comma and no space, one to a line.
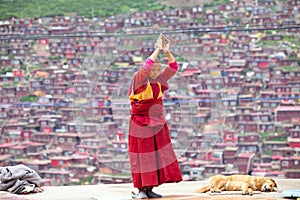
(172,68)
(170,56)
(141,76)
(154,55)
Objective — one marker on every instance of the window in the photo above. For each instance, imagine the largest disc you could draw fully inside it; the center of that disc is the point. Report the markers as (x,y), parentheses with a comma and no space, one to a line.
(194,144)
(285,163)
(80,128)
(273,105)
(61,140)
(47,81)
(69,140)
(173,134)
(266,105)
(186,120)
(113,74)
(126,165)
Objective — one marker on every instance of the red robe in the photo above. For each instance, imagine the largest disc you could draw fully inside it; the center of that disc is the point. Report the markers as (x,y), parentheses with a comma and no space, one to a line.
(152,158)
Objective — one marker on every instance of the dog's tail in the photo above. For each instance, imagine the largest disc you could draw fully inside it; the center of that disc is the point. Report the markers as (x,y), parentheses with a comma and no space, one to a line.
(203,189)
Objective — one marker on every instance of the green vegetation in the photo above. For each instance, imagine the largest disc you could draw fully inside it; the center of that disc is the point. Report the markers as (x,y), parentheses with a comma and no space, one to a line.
(292,39)
(5,70)
(279,139)
(31,68)
(289,69)
(215,3)
(86,181)
(264,135)
(90,8)
(266,43)
(30,98)
(267,153)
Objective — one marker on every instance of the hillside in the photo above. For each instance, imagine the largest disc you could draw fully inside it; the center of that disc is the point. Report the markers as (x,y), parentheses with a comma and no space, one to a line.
(91,8)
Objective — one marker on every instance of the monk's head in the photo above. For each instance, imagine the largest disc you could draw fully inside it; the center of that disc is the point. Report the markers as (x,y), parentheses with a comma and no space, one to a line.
(155,71)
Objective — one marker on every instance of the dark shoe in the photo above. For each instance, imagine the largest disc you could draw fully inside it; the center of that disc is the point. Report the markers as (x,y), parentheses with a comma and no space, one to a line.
(152,194)
(142,195)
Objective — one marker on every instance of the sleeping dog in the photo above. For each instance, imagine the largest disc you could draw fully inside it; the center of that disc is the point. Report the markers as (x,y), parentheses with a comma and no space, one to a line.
(245,183)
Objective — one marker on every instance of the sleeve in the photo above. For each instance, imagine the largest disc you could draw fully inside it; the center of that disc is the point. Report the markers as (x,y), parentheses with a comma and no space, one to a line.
(170,71)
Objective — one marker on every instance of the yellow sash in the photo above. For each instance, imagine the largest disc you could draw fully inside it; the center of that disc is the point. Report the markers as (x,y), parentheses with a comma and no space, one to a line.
(146,94)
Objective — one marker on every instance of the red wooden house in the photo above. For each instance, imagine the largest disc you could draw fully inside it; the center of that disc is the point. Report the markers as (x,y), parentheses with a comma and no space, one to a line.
(68,141)
(57,176)
(292,173)
(5,159)
(283,152)
(81,171)
(245,162)
(196,11)
(39,137)
(230,155)
(81,127)
(5,148)
(37,165)
(269,145)
(213,169)
(8,100)
(33,148)
(261,20)
(18,151)
(286,113)
(229,136)
(290,163)
(294,138)
(93,146)
(293,3)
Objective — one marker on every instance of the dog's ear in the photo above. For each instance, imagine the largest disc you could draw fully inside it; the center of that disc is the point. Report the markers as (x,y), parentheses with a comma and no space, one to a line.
(275,185)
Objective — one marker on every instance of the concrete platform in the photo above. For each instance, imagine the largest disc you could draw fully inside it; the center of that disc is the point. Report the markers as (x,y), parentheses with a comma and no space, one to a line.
(176,191)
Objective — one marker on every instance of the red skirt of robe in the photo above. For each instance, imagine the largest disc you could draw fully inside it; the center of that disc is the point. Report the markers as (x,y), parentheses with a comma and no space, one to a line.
(152,158)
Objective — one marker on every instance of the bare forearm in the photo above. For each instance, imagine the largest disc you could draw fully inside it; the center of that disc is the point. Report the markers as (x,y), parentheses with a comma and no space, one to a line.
(170,57)
(154,55)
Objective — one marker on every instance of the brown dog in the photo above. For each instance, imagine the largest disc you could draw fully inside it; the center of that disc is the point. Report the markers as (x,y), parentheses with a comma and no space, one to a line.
(245,183)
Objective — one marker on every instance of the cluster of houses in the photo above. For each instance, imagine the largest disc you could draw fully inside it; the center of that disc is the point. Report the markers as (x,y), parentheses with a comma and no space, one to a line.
(233,106)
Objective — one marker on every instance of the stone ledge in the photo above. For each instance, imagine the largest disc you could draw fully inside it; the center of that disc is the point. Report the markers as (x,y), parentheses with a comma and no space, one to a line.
(182,190)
